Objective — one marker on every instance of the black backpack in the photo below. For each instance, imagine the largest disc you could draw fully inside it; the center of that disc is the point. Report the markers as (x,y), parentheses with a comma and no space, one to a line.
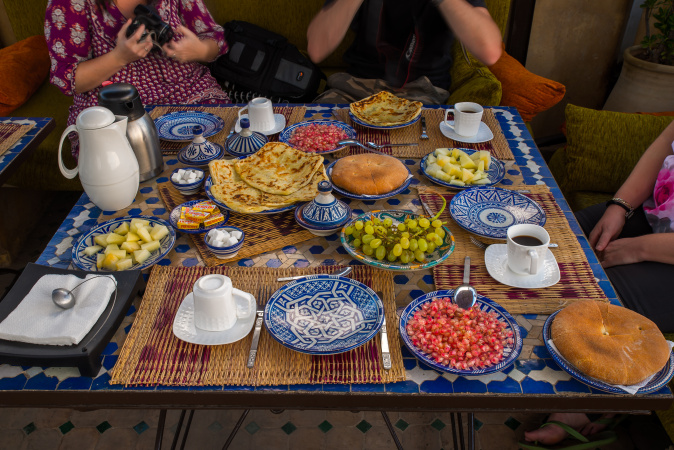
(262,63)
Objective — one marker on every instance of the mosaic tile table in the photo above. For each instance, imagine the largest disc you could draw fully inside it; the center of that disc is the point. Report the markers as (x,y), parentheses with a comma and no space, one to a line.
(29,141)
(533,383)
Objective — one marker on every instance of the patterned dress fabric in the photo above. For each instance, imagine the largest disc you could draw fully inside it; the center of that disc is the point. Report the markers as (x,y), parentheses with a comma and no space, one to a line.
(79,30)
(659,209)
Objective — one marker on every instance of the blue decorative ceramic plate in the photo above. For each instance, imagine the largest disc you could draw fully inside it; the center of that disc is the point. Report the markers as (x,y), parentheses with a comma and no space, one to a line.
(357,121)
(207,188)
(489,211)
(85,262)
(324,314)
(200,155)
(495,172)
(510,352)
(656,383)
(177,126)
(434,258)
(175,215)
(288,132)
(346,193)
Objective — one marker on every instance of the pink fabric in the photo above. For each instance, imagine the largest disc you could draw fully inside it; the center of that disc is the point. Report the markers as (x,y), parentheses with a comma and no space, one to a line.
(659,209)
(78,30)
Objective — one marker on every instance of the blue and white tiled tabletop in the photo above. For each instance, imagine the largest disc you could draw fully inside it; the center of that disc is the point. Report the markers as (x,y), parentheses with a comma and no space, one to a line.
(533,382)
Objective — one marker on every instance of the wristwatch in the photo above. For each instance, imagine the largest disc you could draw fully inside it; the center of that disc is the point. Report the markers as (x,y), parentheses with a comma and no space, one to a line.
(629,211)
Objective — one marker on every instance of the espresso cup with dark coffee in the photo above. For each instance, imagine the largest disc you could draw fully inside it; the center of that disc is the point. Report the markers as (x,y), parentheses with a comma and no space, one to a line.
(527,248)
(467,118)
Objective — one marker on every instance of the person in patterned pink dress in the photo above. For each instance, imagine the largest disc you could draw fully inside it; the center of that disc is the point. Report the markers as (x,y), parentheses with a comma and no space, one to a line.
(88,46)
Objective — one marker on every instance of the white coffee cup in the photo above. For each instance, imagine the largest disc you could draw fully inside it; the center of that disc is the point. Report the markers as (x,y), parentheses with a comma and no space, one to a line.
(527,248)
(467,118)
(218,305)
(260,114)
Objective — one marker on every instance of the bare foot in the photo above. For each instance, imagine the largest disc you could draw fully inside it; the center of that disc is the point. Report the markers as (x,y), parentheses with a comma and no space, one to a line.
(596,426)
(552,434)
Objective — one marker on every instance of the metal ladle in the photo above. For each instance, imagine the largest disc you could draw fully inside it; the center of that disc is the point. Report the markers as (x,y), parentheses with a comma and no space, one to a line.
(465,295)
(64,298)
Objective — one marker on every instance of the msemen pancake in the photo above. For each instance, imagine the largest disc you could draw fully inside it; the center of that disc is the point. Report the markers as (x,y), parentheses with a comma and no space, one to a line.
(385,109)
(278,168)
(369,174)
(610,343)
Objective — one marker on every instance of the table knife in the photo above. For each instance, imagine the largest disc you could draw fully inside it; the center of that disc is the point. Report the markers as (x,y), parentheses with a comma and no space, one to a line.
(423,128)
(256,338)
(385,355)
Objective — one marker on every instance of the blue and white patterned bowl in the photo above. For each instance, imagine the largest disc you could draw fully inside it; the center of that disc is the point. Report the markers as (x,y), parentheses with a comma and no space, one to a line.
(226,252)
(331,214)
(656,383)
(239,145)
(348,194)
(288,132)
(323,314)
(317,229)
(178,126)
(84,262)
(495,171)
(490,211)
(200,153)
(189,188)
(510,352)
(175,216)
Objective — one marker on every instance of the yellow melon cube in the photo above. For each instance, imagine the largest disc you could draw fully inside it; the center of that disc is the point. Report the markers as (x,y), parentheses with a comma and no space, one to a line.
(151,246)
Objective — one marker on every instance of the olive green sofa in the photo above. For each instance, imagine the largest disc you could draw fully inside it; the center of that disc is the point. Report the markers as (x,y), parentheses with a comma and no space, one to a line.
(471,81)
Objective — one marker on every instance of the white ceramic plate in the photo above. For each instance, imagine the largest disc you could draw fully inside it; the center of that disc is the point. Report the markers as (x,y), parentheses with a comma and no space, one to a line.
(185,330)
(279,125)
(484,134)
(496,260)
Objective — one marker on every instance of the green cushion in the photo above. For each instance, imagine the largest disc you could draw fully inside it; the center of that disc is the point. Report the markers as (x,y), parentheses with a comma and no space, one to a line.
(472,81)
(500,11)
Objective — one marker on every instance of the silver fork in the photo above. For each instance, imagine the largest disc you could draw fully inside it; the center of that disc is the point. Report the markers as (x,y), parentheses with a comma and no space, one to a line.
(484,245)
(378,146)
(423,128)
(261,298)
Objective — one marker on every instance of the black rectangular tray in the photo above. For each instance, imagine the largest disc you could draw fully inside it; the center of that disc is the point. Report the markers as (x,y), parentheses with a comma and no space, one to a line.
(87,354)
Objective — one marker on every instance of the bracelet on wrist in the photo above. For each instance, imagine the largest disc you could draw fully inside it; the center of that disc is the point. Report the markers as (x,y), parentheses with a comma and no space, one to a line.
(624,204)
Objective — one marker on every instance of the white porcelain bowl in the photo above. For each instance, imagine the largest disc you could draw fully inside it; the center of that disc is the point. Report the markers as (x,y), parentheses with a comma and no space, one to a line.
(189,188)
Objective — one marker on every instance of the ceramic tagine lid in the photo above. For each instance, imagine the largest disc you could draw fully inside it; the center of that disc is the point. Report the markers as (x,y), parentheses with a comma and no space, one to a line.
(200,151)
(325,211)
(246,142)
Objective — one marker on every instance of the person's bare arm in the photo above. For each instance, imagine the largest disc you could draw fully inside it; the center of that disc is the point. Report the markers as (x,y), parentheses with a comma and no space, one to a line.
(658,247)
(328,28)
(475,28)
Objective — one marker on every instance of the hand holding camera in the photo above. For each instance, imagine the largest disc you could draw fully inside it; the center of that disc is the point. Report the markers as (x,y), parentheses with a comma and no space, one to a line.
(160,32)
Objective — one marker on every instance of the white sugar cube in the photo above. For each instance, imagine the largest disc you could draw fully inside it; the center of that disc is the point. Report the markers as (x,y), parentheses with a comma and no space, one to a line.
(224,234)
(176,178)
(200,175)
(235,234)
(181,172)
(231,241)
(218,243)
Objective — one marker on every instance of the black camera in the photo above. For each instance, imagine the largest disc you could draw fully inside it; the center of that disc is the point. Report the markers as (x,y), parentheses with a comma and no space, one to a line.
(159,31)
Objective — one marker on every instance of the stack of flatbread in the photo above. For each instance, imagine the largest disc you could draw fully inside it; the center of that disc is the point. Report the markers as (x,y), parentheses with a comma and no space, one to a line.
(274,177)
(385,109)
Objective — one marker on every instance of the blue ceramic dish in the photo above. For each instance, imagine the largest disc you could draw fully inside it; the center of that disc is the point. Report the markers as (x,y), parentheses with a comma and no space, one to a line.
(496,172)
(207,187)
(316,229)
(241,146)
(288,132)
(226,252)
(357,121)
(188,188)
(178,126)
(175,215)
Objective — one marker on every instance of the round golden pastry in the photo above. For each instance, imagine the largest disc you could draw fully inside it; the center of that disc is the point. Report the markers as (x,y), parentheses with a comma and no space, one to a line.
(610,343)
(369,174)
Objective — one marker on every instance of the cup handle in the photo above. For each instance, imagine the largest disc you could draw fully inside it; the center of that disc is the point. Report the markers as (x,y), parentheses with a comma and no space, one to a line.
(533,267)
(447,111)
(68,173)
(242,110)
(250,307)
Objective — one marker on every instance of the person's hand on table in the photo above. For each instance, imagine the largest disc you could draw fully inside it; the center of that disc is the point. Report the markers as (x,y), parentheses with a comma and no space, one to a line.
(608,228)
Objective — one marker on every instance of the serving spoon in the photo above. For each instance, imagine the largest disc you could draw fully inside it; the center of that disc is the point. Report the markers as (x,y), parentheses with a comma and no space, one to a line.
(64,298)
(465,295)
(359,144)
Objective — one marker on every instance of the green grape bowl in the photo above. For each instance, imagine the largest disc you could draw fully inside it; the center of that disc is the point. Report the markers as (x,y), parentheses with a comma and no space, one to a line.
(397,240)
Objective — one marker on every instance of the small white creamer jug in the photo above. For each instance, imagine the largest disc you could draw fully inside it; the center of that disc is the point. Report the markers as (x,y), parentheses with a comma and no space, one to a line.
(107,166)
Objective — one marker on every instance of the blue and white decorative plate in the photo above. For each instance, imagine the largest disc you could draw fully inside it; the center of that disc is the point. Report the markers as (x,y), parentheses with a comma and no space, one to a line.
(288,132)
(510,352)
(88,263)
(346,193)
(656,383)
(175,215)
(177,126)
(489,211)
(434,258)
(207,188)
(495,172)
(357,121)
(324,314)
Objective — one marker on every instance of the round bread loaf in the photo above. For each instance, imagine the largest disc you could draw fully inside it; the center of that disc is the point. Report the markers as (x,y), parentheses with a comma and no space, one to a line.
(369,174)
(610,343)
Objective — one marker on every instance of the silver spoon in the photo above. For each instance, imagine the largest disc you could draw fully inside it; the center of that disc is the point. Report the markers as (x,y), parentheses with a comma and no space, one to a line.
(465,295)
(64,298)
(360,144)
(342,273)
(378,146)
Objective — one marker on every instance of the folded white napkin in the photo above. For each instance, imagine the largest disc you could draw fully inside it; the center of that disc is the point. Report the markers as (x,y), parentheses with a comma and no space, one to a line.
(37,320)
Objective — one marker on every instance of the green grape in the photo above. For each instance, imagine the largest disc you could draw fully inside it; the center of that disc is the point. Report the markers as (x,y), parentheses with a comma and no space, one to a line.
(356,243)
(402,227)
(397,249)
(368,250)
(406,257)
(412,223)
(358,234)
(369,222)
(436,223)
(431,247)
(438,241)
(424,222)
(391,257)
(376,220)
(380,253)
(404,242)
(423,245)
(369,229)
(440,232)
(367,238)
(358,225)
(375,243)
(419,255)
(414,244)
(388,222)
(431,237)
(348,230)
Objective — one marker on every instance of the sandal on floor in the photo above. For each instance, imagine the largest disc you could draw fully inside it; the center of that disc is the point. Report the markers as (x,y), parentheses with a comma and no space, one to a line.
(598,439)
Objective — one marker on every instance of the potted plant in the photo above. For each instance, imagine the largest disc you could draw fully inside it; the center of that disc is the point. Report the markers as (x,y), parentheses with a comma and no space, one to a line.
(646,82)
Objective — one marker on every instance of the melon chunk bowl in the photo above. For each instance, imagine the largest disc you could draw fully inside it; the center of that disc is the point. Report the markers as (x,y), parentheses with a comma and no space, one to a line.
(124,243)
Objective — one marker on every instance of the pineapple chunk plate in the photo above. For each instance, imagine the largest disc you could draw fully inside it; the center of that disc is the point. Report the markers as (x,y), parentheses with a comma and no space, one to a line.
(462,168)
(125,243)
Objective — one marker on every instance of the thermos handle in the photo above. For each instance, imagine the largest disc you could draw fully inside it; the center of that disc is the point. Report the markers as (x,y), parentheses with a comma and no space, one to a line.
(68,173)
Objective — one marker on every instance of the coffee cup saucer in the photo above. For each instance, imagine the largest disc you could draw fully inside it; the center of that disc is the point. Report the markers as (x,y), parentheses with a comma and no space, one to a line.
(279,125)
(484,133)
(185,330)
(496,260)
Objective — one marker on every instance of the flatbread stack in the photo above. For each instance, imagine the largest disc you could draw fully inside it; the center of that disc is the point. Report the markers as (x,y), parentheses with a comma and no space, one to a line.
(275,177)
(385,109)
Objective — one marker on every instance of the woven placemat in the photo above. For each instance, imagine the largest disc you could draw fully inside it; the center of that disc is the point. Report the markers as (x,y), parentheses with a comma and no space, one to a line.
(497,146)
(577,280)
(230,115)
(264,232)
(152,355)
(10,133)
